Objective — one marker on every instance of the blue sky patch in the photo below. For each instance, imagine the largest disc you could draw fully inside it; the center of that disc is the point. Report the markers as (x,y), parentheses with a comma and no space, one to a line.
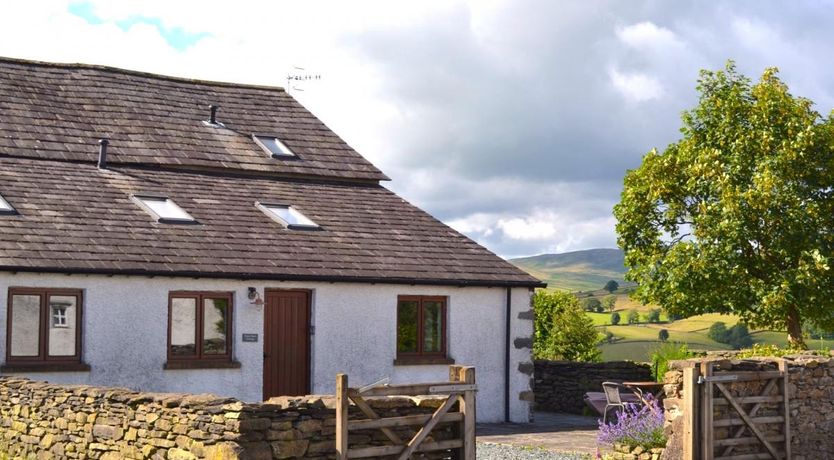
(177,37)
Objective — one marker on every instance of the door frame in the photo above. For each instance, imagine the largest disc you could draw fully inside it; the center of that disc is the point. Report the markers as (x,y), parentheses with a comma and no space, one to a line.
(309,294)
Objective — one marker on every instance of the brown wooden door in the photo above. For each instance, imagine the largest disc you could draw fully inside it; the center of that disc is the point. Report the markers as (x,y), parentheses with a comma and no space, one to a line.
(286,343)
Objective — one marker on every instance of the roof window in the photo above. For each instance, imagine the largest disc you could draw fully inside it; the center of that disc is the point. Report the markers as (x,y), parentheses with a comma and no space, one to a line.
(273,146)
(5,207)
(163,209)
(287,216)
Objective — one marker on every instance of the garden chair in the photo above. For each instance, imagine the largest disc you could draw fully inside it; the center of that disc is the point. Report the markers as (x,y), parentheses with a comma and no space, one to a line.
(613,399)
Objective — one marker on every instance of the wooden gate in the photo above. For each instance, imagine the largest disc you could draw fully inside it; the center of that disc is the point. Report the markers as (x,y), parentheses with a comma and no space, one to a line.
(460,389)
(736,415)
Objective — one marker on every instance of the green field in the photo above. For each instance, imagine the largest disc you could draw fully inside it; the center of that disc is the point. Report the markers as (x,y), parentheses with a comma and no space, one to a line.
(636,342)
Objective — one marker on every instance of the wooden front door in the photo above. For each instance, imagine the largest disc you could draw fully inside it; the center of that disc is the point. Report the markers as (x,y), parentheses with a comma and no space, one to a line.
(286,343)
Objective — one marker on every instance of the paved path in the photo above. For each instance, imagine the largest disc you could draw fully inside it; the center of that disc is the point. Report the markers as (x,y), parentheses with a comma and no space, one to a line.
(550,431)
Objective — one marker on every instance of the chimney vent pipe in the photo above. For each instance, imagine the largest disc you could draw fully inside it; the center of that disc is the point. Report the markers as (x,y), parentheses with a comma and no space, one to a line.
(102,153)
(213,118)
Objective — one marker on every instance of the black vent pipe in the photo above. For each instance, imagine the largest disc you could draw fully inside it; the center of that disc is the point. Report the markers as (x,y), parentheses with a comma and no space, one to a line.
(213,118)
(102,153)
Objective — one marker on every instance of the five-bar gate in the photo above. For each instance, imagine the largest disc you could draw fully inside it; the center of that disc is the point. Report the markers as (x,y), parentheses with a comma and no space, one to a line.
(740,415)
(459,389)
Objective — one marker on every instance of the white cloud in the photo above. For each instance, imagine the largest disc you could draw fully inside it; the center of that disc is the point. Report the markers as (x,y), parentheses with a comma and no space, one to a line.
(648,36)
(635,86)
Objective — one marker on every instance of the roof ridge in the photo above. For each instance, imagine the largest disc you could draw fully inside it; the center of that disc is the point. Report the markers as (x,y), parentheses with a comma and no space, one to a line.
(105,68)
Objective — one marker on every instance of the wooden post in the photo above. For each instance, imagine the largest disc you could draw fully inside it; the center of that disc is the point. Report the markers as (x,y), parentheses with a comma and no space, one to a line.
(467,407)
(690,413)
(342,406)
(457,428)
(783,366)
(707,413)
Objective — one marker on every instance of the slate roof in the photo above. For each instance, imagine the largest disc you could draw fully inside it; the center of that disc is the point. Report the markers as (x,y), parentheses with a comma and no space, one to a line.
(74,218)
(58,112)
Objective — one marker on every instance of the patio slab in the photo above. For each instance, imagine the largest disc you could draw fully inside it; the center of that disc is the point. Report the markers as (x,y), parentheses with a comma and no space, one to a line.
(550,431)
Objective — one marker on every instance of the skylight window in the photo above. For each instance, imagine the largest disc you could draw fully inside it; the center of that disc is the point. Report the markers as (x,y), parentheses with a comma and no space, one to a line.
(273,146)
(5,207)
(287,216)
(163,209)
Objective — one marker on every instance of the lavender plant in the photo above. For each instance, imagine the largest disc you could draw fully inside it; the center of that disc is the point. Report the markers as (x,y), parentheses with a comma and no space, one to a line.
(635,426)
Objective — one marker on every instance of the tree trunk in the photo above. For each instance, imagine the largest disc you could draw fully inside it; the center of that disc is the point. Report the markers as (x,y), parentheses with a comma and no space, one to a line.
(795,339)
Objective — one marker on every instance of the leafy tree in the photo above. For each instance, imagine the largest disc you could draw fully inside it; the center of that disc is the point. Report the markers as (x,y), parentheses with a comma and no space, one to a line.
(653,316)
(633,317)
(737,216)
(663,335)
(673,316)
(591,304)
(739,337)
(562,329)
(615,318)
(609,302)
(718,332)
(611,286)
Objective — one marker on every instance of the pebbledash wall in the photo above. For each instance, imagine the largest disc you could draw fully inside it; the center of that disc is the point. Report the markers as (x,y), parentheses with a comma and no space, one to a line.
(125,337)
(42,420)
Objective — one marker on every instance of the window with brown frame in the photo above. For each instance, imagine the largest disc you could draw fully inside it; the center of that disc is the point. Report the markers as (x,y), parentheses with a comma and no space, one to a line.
(43,330)
(421,330)
(200,330)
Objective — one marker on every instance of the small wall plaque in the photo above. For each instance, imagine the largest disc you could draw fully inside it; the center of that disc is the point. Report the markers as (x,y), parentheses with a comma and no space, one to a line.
(250,337)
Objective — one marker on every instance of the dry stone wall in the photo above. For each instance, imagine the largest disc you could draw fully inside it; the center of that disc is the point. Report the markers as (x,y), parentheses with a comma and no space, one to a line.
(45,421)
(560,385)
(811,402)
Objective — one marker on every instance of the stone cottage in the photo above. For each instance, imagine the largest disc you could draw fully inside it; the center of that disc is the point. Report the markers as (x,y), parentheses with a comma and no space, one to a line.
(176,235)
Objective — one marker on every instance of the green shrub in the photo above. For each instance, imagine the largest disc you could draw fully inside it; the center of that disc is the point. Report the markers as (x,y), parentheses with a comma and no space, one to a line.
(609,302)
(666,352)
(663,335)
(562,329)
(653,316)
(718,332)
(633,317)
(591,304)
(615,318)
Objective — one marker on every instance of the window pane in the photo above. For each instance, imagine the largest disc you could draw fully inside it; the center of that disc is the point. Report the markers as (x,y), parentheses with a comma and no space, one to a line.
(62,325)
(183,327)
(275,146)
(216,315)
(165,208)
(25,327)
(432,326)
(291,216)
(407,326)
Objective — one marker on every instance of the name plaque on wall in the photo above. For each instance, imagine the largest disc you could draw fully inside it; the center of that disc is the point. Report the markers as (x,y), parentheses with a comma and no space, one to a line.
(250,337)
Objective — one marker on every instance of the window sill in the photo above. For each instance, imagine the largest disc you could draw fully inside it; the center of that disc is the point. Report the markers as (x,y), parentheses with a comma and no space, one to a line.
(44,367)
(422,361)
(175,365)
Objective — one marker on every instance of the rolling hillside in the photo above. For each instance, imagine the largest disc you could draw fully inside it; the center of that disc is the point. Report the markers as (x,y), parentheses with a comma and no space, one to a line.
(576,271)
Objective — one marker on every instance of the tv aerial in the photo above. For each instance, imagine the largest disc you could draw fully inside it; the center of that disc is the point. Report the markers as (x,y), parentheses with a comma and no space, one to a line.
(298,76)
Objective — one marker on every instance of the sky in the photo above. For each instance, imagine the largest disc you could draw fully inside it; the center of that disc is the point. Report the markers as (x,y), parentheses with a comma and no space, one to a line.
(513,121)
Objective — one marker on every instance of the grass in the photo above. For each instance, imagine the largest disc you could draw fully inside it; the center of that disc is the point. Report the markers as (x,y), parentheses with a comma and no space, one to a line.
(636,342)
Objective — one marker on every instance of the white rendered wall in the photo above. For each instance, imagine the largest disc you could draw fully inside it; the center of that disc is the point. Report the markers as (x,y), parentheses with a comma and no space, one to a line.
(125,336)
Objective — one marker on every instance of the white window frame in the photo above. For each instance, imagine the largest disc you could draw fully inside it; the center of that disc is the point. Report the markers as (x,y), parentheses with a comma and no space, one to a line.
(286,152)
(264,207)
(139,198)
(59,316)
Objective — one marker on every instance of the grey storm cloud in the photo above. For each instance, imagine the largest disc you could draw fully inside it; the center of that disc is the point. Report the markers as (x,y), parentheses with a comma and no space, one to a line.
(537,111)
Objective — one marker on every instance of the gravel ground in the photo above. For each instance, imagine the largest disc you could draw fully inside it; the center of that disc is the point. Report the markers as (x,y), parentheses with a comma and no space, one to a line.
(488,451)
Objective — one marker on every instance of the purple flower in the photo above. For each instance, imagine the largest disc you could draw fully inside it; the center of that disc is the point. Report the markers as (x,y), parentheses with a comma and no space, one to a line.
(635,426)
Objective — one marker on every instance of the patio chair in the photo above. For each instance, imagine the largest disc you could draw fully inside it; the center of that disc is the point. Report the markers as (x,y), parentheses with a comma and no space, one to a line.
(613,399)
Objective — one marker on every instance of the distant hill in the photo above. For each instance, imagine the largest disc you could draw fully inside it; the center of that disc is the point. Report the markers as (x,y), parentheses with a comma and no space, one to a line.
(576,271)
